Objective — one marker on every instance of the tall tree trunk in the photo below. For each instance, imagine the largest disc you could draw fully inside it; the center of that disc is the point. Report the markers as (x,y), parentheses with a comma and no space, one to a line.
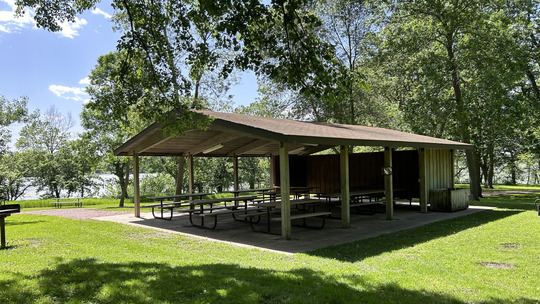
(463,121)
(474,175)
(488,181)
(180,175)
(534,86)
(484,173)
(125,186)
(490,174)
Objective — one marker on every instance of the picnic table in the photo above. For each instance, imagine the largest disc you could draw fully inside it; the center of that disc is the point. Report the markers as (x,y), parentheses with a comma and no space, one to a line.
(176,202)
(238,192)
(297,192)
(358,198)
(214,212)
(58,203)
(5,211)
(303,205)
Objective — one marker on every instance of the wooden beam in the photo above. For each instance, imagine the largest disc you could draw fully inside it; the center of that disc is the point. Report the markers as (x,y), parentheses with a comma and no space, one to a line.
(388,186)
(136,187)
(345,197)
(151,141)
(191,173)
(212,141)
(291,146)
(257,143)
(423,185)
(285,190)
(235,172)
(311,150)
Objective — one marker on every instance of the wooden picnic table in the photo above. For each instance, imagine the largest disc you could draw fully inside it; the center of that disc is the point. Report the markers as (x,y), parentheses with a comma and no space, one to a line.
(297,192)
(357,197)
(205,212)
(237,192)
(303,203)
(77,203)
(173,204)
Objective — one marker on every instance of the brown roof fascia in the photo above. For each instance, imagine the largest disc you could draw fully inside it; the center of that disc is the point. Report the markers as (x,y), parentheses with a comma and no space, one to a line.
(120,150)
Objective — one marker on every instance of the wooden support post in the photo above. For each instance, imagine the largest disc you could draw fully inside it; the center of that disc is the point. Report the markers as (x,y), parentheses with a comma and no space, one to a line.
(235,172)
(285,190)
(136,187)
(190,173)
(452,170)
(180,176)
(272,171)
(388,186)
(345,197)
(423,185)
(2,232)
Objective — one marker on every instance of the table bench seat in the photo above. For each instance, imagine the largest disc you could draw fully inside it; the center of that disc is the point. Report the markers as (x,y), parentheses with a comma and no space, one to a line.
(236,214)
(304,216)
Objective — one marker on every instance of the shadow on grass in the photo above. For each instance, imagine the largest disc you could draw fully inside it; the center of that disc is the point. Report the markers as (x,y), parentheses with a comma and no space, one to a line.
(360,250)
(87,280)
(19,222)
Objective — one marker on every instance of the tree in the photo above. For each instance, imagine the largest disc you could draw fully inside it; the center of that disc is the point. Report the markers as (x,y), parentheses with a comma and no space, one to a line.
(179,40)
(450,54)
(79,165)
(44,137)
(11,111)
(108,121)
(13,172)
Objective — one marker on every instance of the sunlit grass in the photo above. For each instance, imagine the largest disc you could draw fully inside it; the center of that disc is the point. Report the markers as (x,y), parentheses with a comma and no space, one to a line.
(488,257)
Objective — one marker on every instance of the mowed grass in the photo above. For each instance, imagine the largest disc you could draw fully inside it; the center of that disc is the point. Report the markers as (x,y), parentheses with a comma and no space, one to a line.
(42,204)
(488,257)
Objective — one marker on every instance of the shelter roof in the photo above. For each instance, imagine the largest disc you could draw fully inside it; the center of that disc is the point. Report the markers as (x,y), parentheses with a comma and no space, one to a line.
(246,135)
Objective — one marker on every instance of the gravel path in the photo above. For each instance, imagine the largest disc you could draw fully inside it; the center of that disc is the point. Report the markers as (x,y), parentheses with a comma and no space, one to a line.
(77,213)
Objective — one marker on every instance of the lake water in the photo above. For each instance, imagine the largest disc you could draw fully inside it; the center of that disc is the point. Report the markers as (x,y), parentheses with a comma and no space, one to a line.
(32,193)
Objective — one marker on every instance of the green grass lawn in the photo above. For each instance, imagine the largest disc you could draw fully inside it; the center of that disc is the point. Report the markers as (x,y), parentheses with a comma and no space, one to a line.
(488,257)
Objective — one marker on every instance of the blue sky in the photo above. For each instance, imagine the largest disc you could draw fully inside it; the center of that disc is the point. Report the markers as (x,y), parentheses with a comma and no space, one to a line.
(52,68)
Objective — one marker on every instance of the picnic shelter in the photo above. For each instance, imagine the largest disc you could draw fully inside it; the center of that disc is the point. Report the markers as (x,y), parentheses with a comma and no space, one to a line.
(290,145)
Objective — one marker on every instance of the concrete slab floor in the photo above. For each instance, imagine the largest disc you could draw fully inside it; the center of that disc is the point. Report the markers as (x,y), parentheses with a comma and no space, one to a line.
(303,239)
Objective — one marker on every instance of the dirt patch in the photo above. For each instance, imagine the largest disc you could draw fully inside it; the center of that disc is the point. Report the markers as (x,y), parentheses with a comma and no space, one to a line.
(510,245)
(497,265)
(488,193)
(76,213)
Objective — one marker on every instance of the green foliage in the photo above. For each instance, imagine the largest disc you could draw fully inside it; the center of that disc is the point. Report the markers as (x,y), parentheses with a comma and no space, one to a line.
(13,171)
(212,174)
(56,162)
(10,111)
(157,184)
(254,171)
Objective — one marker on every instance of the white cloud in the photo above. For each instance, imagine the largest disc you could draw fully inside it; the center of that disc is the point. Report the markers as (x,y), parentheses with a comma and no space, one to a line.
(70,93)
(70,29)
(85,81)
(9,23)
(98,11)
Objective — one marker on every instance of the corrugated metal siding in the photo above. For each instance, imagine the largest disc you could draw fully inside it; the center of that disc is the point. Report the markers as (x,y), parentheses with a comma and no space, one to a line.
(439,169)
